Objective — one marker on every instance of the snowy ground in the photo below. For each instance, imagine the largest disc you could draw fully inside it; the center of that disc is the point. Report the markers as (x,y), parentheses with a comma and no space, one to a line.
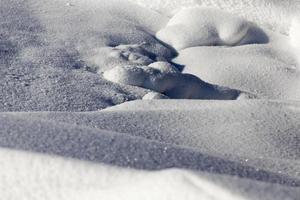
(144,99)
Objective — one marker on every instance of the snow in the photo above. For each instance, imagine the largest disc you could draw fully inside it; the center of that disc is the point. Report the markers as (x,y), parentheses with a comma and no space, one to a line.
(93,99)
(67,178)
(272,14)
(295,37)
(266,71)
(154,136)
(154,95)
(294,32)
(203,27)
(164,67)
(48,51)
(169,82)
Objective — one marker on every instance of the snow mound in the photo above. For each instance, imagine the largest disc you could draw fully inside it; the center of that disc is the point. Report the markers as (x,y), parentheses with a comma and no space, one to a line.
(134,53)
(164,67)
(154,95)
(267,71)
(124,54)
(295,32)
(203,27)
(295,37)
(164,78)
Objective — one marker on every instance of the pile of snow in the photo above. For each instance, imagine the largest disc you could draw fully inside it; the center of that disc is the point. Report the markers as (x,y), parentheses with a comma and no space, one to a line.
(201,26)
(295,37)
(131,54)
(154,95)
(295,33)
(164,78)
(267,71)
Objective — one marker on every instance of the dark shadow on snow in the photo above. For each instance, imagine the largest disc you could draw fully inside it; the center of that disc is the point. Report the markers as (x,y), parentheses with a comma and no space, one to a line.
(112,148)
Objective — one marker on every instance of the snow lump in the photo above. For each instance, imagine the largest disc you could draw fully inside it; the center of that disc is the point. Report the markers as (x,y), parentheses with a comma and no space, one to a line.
(203,27)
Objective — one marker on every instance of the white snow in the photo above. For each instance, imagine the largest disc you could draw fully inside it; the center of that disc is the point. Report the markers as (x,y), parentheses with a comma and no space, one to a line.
(154,95)
(72,56)
(271,14)
(35,176)
(295,32)
(203,27)
(261,163)
(267,71)
(295,37)
(164,67)
(168,81)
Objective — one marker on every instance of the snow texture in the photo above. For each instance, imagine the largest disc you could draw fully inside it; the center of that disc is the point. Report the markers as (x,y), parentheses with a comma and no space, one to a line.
(59,178)
(266,71)
(271,14)
(48,51)
(154,136)
(169,82)
(63,56)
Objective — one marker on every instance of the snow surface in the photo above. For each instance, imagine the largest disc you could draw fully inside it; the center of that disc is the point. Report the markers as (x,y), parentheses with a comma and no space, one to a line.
(271,14)
(63,56)
(203,27)
(50,177)
(168,81)
(266,71)
(295,37)
(48,51)
(152,135)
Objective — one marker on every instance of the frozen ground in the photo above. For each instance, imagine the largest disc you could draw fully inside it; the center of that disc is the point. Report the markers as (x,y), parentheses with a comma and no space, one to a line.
(69,68)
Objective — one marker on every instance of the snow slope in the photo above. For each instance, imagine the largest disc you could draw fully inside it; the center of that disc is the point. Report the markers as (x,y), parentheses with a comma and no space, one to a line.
(266,71)
(58,178)
(152,135)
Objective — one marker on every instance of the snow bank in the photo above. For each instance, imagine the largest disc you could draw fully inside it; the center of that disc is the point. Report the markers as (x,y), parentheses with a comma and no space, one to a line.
(261,163)
(264,121)
(267,71)
(199,26)
(60,178)
(163,78)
